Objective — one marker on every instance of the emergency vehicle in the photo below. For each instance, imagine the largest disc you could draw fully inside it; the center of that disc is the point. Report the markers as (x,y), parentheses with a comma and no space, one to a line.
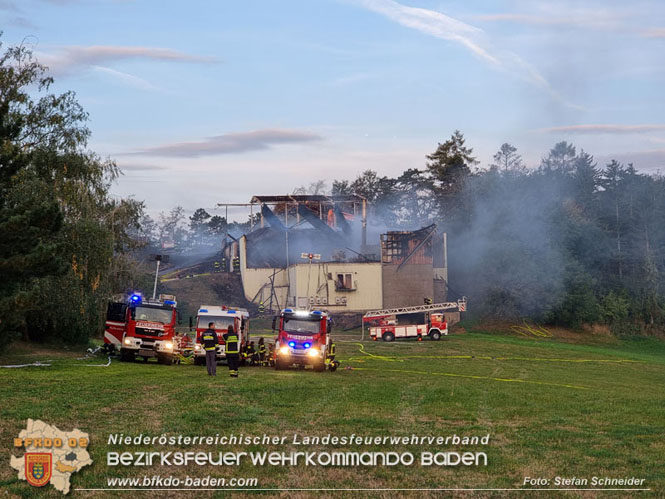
(385,323)
(303,338)
(223,317)
(142,327)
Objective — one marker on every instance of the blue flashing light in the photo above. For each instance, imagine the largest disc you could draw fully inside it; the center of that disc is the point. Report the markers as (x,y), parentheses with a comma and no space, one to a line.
(292,344)
(203,311)
(169,302)
(135,298)
(317,312)
(288,310)
(307,345)
(231,311)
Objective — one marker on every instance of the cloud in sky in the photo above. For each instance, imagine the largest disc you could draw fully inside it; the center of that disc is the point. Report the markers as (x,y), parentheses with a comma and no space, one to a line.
(74,57)
(439,25)
(654,33)
(605,128)
(231,143)
(572,18)
(130,167)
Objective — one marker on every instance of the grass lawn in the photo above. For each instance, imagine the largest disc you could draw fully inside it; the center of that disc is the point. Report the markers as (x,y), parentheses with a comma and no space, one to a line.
(552,408)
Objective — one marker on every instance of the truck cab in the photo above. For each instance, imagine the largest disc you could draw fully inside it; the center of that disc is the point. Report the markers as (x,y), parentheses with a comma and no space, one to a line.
(142,327)
(303,338)
(222,317)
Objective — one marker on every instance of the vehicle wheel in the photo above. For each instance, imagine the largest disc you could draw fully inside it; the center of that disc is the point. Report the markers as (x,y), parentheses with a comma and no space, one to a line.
(126,356)
(320,367)
(167,360)
(388,337)
(279,365)
(435,335)
(199,361)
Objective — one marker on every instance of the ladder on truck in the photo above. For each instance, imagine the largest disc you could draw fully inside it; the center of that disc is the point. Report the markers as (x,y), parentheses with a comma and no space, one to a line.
(459,304)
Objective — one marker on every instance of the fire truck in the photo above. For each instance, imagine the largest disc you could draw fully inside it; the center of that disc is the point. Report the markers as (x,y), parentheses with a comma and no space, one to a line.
(142,327)
(303,338)
(385,323)
(223,317)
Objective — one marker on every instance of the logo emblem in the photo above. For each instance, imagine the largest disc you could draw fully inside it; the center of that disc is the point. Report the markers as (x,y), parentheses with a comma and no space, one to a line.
(38,468)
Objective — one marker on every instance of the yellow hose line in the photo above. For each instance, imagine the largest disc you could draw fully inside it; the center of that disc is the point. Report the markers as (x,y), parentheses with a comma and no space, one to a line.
(507,380)
(528,330)
(468,357)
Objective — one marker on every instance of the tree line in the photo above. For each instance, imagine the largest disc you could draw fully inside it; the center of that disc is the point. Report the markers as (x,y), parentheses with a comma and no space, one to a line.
(65,243)
(569,242)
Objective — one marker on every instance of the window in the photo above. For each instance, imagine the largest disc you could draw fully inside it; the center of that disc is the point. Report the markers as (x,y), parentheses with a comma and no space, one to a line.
(344,282)
(116,312)
(220,322)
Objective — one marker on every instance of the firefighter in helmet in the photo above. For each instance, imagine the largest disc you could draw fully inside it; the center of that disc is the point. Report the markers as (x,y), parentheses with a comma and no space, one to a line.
(330,357)
(262,352)
(271,355)
(232,351)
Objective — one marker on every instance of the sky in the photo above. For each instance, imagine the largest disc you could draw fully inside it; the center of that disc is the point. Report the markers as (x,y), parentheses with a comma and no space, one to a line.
(207,102)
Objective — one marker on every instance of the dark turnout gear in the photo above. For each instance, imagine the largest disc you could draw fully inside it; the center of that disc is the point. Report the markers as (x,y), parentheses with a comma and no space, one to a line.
(249,353)
(209,340)
(232,351)
(330,357)
(262,352)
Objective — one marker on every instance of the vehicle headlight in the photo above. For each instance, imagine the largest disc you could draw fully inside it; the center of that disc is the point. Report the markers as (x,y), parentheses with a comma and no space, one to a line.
(284,350)
(168,345)
(128,341)
(313,352)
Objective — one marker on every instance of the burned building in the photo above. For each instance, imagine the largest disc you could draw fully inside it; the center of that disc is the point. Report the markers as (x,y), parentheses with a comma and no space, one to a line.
(313,251)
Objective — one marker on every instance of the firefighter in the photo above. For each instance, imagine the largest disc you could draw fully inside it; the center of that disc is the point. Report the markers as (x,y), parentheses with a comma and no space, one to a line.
(224,264)
(252,356)
(271,355)
(236,263)
(262,308)
(217,268)
(210,341)
(330,357)
(262,352)
(428,301)
(232,351)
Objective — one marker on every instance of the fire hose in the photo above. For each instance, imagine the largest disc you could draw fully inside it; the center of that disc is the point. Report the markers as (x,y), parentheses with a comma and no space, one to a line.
(47,363)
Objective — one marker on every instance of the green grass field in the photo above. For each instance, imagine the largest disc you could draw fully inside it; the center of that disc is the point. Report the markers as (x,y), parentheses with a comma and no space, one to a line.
(552,408)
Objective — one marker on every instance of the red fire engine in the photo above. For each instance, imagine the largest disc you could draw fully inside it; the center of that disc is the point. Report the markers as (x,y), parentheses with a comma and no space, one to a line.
(222,317)
(303,338)
(142,327)
(384,323)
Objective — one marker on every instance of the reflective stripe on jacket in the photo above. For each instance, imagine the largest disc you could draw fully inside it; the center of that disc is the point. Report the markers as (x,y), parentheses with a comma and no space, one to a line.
(231,342)
(209,339)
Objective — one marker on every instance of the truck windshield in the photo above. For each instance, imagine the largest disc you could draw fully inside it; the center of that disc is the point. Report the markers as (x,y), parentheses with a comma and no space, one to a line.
(153,314)
(301,326)
(220,322)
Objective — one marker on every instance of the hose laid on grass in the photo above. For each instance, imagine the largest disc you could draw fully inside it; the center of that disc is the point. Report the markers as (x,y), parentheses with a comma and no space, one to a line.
(509,380)
(361,349)
(529,330)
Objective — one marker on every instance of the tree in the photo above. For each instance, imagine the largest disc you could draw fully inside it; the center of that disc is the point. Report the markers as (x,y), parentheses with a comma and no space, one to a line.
(315,188)
(448,169)
(198,224)
(217,225)
(561,158)
(59,229)
(170,226)
(507,160)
